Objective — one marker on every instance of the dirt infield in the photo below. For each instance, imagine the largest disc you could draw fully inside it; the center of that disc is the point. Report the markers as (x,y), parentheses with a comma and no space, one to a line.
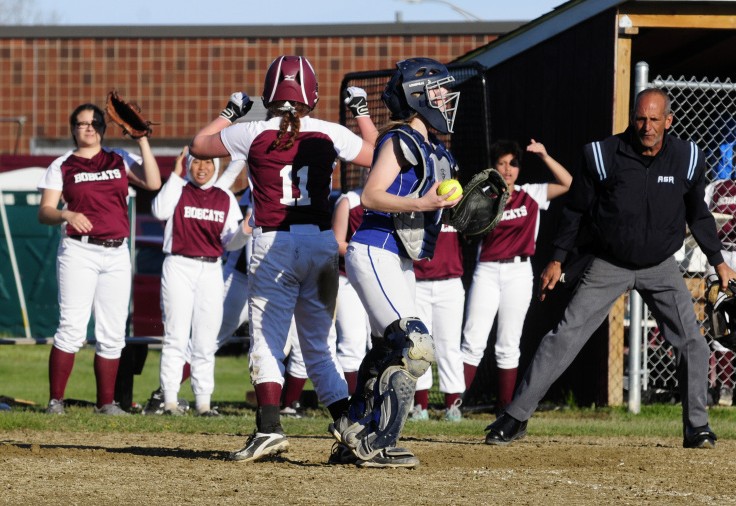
(114,468)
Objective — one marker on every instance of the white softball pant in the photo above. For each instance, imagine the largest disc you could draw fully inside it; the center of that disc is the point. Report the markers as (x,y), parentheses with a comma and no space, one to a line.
(191,304)
(352,327)
(235,313)
(440,305)
(384,282)
(503,289)
(295,274)
(92,277)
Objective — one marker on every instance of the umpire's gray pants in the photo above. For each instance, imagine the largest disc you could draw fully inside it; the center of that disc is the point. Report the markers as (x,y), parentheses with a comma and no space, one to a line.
(664,291)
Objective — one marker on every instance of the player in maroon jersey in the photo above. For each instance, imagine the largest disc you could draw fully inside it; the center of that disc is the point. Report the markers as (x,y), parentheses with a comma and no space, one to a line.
(351,321)
(502,281)
(440,301)
(201,221)
(93,263)
(293,268)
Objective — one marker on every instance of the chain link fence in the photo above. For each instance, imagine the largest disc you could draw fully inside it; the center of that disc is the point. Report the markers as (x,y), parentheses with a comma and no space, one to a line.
(704,112)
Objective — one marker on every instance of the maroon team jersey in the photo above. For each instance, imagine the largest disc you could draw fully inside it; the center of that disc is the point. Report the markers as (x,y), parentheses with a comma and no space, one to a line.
(199,219)
(355,218)
(724,201)
(447,261)
(515,235)
(292,187)
(98,188)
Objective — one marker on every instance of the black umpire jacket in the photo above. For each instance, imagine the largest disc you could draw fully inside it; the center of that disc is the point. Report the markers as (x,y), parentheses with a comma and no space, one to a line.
(635,207)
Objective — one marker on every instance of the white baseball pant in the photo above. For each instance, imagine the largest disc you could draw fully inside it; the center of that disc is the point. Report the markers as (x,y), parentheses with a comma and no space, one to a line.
(92,277)
(384,282)
(440,305)
(352,327)
(497,288)
(295,274)
(191,304)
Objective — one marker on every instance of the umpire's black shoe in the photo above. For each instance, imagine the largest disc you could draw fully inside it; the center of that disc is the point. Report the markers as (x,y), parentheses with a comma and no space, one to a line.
(505,430)
(699,437)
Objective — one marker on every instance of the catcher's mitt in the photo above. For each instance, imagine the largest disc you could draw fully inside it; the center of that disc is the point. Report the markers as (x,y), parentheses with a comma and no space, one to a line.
(484,199)
(127,116)
(720,307)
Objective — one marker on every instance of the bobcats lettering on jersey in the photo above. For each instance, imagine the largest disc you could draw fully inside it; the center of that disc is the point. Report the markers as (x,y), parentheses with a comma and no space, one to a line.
(204,214)
(104,175)
(510,214)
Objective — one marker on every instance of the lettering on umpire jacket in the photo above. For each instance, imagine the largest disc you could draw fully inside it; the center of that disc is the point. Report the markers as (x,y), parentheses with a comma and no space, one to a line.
(198,213)
(104,175)
(510,214)
(666,179)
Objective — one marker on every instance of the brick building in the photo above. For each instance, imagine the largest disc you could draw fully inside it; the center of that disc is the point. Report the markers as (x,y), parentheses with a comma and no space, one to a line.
(182,76)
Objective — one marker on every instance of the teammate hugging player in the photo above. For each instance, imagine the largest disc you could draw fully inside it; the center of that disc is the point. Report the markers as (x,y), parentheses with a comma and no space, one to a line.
(401,223)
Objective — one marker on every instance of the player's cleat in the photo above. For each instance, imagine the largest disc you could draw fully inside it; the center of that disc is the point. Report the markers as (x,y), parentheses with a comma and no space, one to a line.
(453,414)
(341,454)
(725,397)
(699,437)
(391,458)
(55,407)
(155,404)
(210,413)
(112,409)
(260,445)
(505,430)
(177,411)
(293,411)
(417,413)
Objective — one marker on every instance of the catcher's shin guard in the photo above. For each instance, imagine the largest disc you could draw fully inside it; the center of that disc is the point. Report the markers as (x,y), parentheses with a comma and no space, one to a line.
(411,354)
(396,396)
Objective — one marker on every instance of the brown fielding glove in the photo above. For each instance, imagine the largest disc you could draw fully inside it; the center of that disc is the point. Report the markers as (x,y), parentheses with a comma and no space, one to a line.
(127,116)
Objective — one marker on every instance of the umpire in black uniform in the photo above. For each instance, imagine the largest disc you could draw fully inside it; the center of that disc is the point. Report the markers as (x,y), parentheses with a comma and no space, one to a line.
(637,190)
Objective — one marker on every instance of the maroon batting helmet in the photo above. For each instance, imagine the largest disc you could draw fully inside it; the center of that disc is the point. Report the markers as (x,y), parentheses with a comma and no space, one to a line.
(291,78)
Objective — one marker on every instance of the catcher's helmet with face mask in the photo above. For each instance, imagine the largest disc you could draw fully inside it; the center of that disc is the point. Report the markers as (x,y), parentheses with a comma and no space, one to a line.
(721,309)
(291,79)
(415,88)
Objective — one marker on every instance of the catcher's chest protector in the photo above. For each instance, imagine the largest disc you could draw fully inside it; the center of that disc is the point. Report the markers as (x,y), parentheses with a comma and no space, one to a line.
(418,231)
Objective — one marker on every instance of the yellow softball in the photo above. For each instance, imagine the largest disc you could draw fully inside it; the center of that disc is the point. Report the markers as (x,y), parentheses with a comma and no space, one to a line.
(447,185)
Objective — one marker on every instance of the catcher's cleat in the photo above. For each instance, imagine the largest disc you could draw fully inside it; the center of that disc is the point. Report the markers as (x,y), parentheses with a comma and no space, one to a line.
(261,445)
(341,454)
(55,407)
(699,437)
(210,413)
(347,432)
(177,411)
(391,458)
(505,430)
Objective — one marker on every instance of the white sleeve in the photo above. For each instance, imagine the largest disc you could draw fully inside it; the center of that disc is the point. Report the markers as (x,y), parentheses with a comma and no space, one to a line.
(129,159)
(709,191)
(232,236)
(237,139)
(52,179)
(347,144)
(228,177)
(538,191)
(164,203)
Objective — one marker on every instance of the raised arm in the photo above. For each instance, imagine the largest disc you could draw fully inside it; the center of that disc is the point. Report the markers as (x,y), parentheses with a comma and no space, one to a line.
(563,179)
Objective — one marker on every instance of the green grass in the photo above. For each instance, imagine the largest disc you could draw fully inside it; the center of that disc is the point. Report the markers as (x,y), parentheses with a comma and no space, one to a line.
(24,375)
